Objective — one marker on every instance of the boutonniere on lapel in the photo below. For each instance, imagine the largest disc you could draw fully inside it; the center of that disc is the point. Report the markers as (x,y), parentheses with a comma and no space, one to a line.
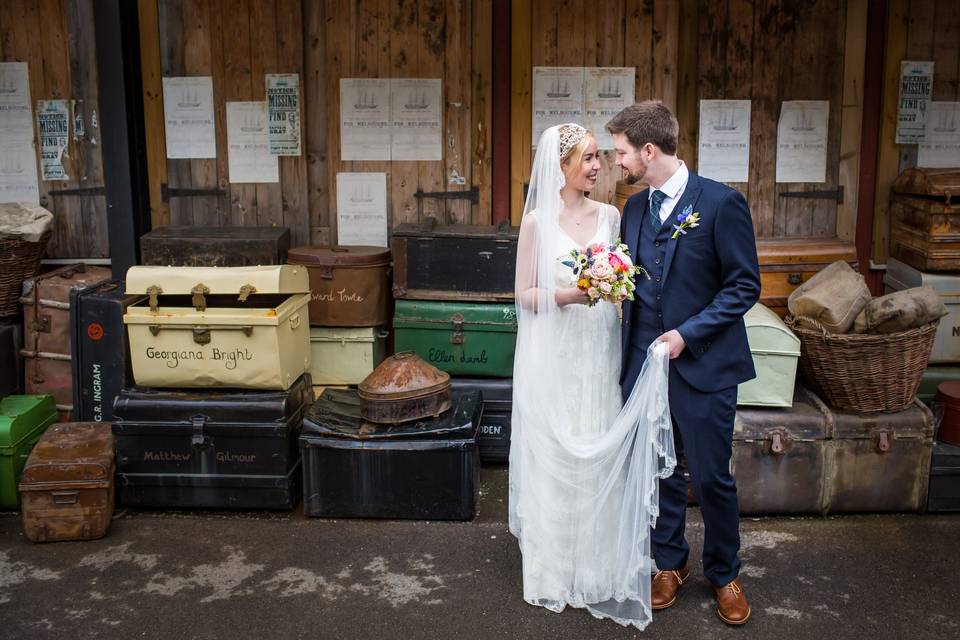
(688,219)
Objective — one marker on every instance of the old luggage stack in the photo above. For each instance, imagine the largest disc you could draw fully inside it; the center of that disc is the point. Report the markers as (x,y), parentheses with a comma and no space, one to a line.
(403,446)
(349,310)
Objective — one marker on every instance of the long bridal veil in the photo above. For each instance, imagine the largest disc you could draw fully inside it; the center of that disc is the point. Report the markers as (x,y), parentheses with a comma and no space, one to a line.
(583,490)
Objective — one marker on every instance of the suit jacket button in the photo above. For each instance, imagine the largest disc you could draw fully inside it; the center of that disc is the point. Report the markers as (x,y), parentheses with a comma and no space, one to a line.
(657,243)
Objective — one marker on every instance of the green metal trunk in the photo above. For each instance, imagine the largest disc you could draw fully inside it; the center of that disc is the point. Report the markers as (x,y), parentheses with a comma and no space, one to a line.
(470,339)
(23,419)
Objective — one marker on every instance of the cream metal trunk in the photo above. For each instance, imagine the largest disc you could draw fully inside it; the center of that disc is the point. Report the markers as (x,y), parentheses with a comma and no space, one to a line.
(344,356)
(229,327)
(775,351)
(946,344)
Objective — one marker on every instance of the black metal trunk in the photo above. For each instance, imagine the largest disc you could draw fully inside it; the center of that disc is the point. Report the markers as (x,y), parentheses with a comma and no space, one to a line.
(101,366)
(944,478)
(418,470)
(11,361)
(493,437)
(454,262)
(232,449)
(215,246)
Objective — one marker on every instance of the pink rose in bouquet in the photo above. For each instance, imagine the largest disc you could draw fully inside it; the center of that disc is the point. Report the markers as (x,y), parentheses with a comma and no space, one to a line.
(605,272)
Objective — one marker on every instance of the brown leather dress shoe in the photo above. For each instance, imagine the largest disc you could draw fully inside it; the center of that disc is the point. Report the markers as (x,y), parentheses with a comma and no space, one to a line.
(665,585)
(732,606)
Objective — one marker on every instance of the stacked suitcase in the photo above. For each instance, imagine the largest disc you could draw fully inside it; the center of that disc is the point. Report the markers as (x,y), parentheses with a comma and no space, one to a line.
(349,310)
(454,290)
(219,359)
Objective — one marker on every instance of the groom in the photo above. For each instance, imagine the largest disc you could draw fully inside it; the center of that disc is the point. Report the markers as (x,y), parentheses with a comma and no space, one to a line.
(695,238)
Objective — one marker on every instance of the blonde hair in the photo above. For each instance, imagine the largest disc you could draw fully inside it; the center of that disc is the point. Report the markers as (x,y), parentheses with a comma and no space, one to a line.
(574,156)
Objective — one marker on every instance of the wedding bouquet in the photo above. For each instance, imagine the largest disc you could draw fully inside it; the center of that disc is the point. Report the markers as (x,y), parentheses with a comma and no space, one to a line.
(605,272)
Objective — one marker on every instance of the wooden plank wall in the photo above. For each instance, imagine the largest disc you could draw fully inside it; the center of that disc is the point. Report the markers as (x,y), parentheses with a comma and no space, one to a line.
(238,41)
(772,51)
(56,39)
(578,33)
(916,30)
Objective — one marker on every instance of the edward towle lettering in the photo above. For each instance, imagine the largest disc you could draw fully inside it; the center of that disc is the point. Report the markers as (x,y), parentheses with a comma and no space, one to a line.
(172,358)
(337,296)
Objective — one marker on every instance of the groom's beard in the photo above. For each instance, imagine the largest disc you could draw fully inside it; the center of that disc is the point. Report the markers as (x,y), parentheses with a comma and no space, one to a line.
(636,177)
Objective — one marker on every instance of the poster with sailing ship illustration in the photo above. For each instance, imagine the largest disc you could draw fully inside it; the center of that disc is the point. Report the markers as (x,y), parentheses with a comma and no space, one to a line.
(362,209)
(557,97)
(188,117)
(365,119)
(802,141)
(248,144)
(18,159)
(724,140)
(606,91)
(416,117)
(941,146)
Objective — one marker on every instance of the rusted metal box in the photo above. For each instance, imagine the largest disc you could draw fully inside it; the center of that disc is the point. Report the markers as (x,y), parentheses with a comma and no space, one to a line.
(349,286)
(403,388)
(780,456)
(787,263)
(880,461)
(454,262)
(66,489)
(47,335)
(174,246)
(925,219)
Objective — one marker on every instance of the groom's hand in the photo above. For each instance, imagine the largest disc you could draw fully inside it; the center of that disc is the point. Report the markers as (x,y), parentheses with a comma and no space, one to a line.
(674,342)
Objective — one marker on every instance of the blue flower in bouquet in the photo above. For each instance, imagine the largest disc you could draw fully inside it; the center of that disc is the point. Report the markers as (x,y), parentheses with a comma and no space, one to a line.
(686,219)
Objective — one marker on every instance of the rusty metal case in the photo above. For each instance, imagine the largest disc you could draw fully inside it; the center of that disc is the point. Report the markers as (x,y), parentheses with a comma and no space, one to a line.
(780,456)
(880,461)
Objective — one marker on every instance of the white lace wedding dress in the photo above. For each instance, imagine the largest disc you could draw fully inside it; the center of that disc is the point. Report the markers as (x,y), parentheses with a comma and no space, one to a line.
(583,467)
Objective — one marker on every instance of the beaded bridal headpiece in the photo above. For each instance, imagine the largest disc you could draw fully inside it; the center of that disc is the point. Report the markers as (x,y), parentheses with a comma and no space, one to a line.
(570,136)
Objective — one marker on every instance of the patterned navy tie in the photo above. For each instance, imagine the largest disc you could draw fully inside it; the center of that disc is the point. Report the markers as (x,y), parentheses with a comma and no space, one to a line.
(656,201)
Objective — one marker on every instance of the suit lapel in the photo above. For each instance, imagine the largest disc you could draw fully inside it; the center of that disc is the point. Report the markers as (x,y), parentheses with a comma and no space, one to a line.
(689,197)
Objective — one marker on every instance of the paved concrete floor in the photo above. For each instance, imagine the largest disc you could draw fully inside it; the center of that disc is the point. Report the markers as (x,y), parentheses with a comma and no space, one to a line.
(260,575)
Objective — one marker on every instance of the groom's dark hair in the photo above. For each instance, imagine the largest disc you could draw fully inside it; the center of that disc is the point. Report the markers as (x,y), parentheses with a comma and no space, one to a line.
(647,121)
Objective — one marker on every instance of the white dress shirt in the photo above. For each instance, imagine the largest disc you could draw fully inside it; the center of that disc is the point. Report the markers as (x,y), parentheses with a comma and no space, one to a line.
(673,188)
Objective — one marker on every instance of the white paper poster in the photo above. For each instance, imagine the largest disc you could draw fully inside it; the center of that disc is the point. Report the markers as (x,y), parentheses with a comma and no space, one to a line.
(283,105)
(606,91)
(188,117)
(916,84)
(557,97)
(364,119)
(248,145)
(362,209)
(802,141)
(724,153)
(416,117)
(53,125)
(18,172)
(16,115)
(941,147)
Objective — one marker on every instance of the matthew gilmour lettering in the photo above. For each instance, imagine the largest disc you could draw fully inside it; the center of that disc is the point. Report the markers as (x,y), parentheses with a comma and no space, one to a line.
(337,296)
(226,456)
(165,456)
(441,355)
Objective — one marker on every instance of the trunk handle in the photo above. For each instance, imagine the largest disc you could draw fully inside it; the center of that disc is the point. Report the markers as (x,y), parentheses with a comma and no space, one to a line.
(65,497)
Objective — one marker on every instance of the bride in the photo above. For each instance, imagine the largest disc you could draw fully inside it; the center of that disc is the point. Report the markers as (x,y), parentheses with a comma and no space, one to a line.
(583,468)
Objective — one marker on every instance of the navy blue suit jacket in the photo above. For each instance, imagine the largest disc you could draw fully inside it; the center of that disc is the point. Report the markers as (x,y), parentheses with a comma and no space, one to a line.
(711,278)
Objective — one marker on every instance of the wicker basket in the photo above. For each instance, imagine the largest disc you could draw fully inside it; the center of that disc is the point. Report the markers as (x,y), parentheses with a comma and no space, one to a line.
(864,372)
(19,260)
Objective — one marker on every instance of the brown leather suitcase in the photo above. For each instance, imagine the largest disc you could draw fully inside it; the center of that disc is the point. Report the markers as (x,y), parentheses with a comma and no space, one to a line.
(925,219)
(786,263)
(46,327)
(66,488)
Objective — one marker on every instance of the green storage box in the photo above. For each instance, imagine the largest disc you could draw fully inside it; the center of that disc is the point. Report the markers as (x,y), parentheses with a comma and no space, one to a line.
(932,377)
(461,338)
(776,350)
(23,419)
(345,355)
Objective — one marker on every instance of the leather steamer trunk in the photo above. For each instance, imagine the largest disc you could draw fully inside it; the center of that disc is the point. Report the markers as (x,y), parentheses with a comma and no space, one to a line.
(427,469)
(67,489)
(101,355)
(944,478)
(46,325)
(211,449)
(780,456)
(214,246)
(349,286)
(230,327)
(496,394)
(880,461)
(925,219)
(461,338)
(454,262)
(23,419)
(785,264)
(11,342)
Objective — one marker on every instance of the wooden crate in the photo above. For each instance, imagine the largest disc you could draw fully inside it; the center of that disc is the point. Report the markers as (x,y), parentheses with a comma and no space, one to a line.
(787,263)
(925,219)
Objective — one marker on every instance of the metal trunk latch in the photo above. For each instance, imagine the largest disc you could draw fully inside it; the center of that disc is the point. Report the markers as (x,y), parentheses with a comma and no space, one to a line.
(154,292)
(198,440)
(795,278)
(883,442)
(245,292)
(326,272)
(41,324)
(201,335)
(777,443)
(457,337)
(199,296)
